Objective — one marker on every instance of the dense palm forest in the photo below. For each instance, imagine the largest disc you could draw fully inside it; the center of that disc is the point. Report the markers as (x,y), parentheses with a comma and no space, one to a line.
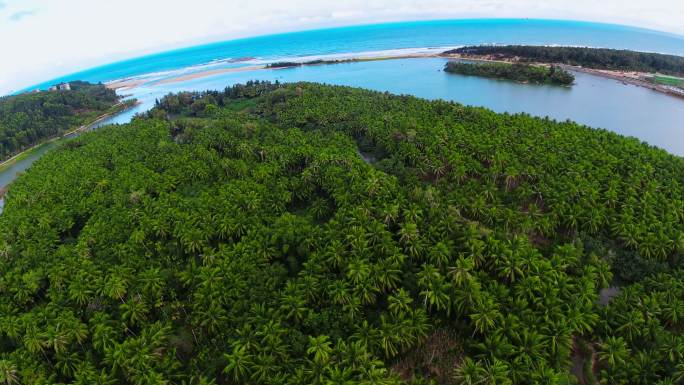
(598,58)
(311,234)
(524,73)
(27,119)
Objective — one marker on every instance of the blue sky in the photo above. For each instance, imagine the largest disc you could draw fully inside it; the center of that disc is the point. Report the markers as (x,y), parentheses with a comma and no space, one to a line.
(42,39)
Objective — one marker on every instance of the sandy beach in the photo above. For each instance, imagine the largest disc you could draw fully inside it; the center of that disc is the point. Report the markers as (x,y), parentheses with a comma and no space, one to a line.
(132,83)
(203,74)
(634,78)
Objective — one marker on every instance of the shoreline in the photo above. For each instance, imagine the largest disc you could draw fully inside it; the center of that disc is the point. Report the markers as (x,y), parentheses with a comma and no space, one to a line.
(626,77)
(124,84)
(16,157)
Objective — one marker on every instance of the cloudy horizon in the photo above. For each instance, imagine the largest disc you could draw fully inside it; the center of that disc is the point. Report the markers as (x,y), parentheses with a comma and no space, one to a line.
(51,40)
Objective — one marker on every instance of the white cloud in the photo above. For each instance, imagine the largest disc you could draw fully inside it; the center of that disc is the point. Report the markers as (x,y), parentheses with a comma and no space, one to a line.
(69,35)
(17,16)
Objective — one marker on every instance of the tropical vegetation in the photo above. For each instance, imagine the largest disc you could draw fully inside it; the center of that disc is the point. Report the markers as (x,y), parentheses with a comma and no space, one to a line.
(312,234)
(524,73)
(597,58)
(30,118)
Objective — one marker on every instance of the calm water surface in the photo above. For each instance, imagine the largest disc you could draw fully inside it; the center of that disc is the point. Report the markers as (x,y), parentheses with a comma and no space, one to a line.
(598,102)
(380,37)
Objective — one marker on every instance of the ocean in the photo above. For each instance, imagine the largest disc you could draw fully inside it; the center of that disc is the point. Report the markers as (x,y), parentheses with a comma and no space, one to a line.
(407,36)
(649,116)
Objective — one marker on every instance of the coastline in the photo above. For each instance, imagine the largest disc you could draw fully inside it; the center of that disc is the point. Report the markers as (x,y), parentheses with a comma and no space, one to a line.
(633,78)
(626,77)
(206,73)
(123,84)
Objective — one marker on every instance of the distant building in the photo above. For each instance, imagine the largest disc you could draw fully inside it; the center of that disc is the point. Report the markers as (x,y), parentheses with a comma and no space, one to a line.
(61,87)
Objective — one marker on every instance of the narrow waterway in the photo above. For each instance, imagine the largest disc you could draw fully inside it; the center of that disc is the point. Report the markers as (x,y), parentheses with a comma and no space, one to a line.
(11,171)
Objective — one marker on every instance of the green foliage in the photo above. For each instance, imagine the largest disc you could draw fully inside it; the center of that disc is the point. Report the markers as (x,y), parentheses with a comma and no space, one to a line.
(668,80)
(641,333)
(524,73)
(237,236)
(599,58)
(28,119)
(283,64)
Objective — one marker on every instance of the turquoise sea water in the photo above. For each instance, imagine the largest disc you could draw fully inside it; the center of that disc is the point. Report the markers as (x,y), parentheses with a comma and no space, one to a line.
(598,102)
(380,37)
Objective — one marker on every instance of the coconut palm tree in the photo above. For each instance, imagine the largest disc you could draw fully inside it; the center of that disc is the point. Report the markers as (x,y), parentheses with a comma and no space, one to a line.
(239,363)
(320,348)
(8,373)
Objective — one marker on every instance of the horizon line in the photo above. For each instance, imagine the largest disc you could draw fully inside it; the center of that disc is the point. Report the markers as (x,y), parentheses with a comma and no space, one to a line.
(185,46)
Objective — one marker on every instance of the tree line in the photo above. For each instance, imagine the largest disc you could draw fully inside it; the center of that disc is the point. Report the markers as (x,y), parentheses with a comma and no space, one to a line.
(524,73)
(597,58)
(313,234)
(30,118)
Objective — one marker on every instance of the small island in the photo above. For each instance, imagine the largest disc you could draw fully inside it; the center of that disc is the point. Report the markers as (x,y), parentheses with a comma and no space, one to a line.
(523,73)
(659,72)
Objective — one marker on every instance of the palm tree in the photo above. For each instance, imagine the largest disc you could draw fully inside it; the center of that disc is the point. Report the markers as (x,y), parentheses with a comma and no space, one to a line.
(462,272)
(387,274)
(469,372)
(558,337)
(614,351)
(439,254)
(239,363)
(340,376)
(510,267)
(495,344)
(632,324)
(389,335)
(114,287)
(435,290)
(134,310)
(56,339)
(485,315)
(79,290)
(33,340)
(358,270)
(320,348)
(294,307)
(678,374)
(496,373)
(8,373)
(399,302)
(673,311)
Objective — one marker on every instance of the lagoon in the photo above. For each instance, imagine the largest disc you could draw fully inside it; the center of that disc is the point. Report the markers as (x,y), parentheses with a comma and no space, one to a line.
(595,101)
(598,102)
(380,37)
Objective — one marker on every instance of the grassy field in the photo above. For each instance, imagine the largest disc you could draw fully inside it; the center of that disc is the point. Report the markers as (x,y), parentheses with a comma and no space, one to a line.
(668,80)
